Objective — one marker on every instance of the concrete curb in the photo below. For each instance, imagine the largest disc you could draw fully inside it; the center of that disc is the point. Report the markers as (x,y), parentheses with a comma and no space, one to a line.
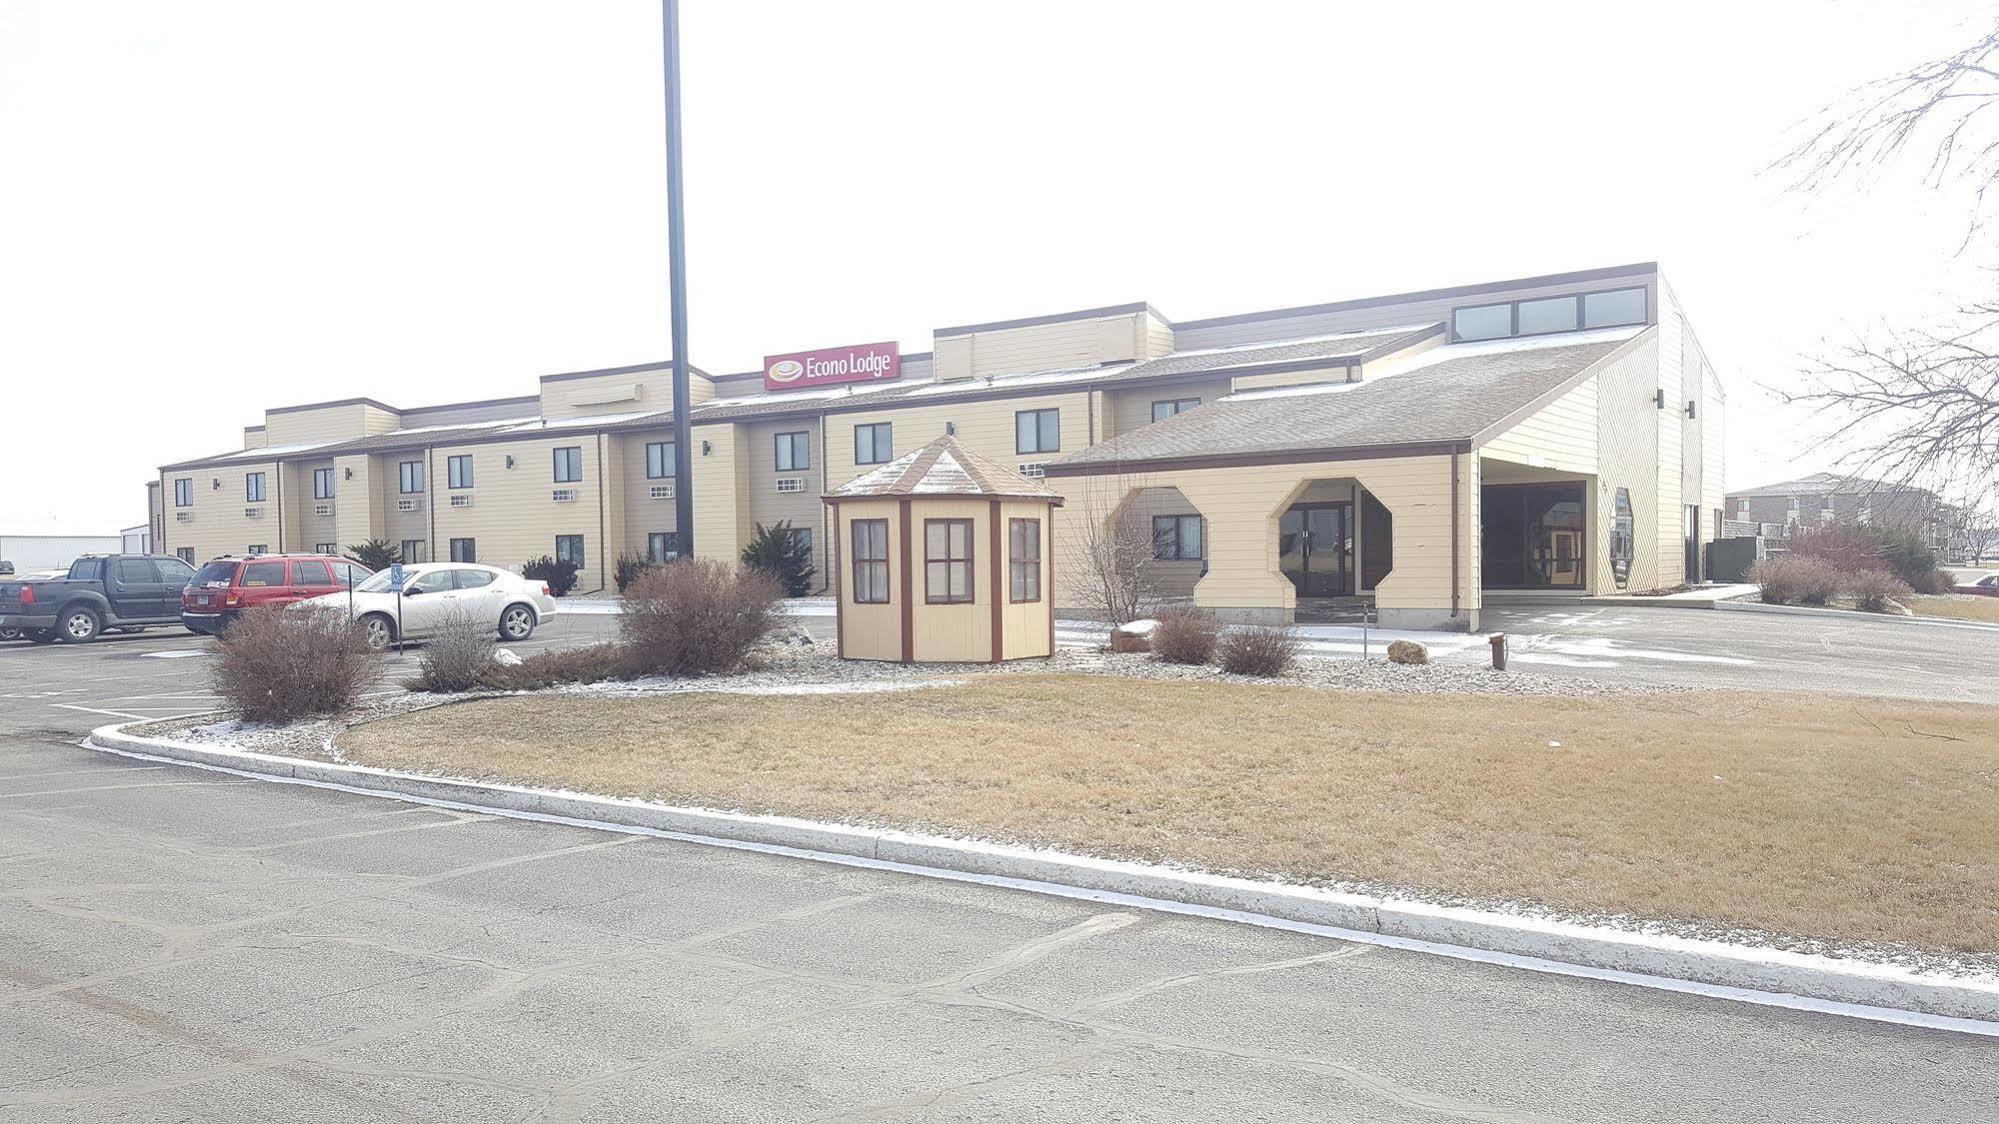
(1747,972)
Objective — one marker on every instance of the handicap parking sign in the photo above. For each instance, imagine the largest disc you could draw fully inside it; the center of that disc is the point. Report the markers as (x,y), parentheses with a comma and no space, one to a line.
(395,577)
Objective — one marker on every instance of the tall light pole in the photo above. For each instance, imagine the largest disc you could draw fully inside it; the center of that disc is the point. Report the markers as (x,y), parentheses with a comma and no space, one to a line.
(676,286)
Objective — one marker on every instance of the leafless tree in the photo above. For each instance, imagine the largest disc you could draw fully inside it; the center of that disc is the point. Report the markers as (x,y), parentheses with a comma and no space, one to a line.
(1914,406)
(1116,580)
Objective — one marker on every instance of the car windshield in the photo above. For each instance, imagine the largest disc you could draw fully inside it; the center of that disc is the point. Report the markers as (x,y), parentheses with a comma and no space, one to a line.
(215,573)
(379,583)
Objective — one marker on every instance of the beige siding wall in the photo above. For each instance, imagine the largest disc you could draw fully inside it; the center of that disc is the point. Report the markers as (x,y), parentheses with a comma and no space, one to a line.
(1628,435)
(1131,409)
(719,482)
(1561,435)
(254,437)
(609,394)
(639,514)
(1337,373)
(871,632)
(309,427)
(399,526)
(1172,580)
(1157,338)
(303,510)
(514,517)
(761,502)
(1669,518)
(221,523)
(1026,628)
(985,427)
(961,632)
(1082,342)
(1243,505)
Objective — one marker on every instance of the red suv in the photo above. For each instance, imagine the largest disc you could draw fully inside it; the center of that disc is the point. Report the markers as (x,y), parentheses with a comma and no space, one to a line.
(225,587)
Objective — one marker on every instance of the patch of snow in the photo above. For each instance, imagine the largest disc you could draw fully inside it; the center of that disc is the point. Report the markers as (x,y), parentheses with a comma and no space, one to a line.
(179,654)
(945,477)
(1056,377)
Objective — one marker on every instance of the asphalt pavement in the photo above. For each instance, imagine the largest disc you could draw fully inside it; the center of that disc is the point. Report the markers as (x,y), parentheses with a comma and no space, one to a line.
(185,945)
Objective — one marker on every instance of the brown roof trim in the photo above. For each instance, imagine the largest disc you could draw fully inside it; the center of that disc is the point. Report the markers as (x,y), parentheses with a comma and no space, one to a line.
(1566,385)
(1052,318)
(1278,456)
(523,398)
(330,405)
(633,369)
(1578,277)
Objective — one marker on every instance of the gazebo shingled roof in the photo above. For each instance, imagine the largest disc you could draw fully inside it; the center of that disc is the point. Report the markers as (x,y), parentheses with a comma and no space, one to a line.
(944,468)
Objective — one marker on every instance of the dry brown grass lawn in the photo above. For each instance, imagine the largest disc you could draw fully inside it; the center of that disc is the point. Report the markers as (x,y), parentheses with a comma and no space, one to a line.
(1964,609)
(1849,819)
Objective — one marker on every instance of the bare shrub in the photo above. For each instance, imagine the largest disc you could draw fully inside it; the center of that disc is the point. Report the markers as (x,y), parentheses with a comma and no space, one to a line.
(1873,590)
(696,616)
(280,664)
(1258,649)
(457,653)
(1114,579)
(1935,583)
(1790,579)
(597,663)
(1186,636)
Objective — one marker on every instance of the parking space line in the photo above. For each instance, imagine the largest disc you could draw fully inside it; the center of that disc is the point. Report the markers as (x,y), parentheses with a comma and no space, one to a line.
(100,710)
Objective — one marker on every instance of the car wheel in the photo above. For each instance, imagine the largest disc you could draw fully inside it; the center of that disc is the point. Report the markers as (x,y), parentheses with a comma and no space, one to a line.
(79,626)
(381,631)
(517,623)
(10,634)
(42,636)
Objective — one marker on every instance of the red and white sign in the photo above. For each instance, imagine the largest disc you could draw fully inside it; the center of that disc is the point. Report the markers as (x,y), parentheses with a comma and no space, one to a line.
(866,362)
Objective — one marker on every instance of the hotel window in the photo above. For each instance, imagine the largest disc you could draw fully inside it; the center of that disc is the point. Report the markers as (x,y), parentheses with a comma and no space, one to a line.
(325,548)
(801,540)
(870,561)
(1614,308)
(947,561)
(259,548)
(1485,322)
(1176,538)
(322,483)
(1556,314)
(569,548)
(872,444)
(1037,431)
(411,473)
(184,493)
(662,546)
(794,452)
(185,554)
(458,471)
(414,551)
(1024,559)
(1166,408)
(659,460)
(253,487)
(464,550)
(569,464)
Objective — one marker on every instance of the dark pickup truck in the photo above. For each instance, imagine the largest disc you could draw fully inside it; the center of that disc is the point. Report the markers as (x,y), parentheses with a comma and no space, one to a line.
(116,592)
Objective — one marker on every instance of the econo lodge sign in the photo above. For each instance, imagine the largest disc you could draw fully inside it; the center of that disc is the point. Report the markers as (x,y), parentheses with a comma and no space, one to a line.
(862,363)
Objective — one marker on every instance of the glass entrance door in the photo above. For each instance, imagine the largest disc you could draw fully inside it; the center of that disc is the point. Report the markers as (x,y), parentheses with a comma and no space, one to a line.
(1315,547)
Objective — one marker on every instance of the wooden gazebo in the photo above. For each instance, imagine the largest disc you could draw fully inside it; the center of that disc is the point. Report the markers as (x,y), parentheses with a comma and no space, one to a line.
(943,555)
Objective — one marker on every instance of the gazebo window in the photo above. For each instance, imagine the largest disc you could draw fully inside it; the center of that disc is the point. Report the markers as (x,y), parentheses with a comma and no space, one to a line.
(947,561)
(1024,559)
(870,561)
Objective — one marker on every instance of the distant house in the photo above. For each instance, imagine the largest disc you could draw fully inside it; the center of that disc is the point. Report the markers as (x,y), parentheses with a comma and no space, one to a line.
(1829,497)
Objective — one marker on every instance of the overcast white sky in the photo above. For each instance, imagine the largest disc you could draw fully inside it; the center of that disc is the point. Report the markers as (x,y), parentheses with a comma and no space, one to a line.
(207,208)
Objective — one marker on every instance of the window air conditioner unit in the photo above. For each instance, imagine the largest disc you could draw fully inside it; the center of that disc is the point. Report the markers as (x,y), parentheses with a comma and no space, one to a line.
(405,505)
(183,516)
(461,501)
(565,495)
(791,484)
(322,509)
(253,513)
(660,491)
(1036,469)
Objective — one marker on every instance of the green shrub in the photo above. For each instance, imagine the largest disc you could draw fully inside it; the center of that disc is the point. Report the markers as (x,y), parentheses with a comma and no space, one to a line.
(784,555)
(1874,590)
(1790,579)
(696,617)
(1258,649)
(376,554)
(628,569)
(1186,636)
(282,664)
(560,575)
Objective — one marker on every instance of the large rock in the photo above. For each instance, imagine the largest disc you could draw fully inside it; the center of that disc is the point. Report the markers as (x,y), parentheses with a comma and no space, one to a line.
(1407,651)
(505,658)
(1133,636)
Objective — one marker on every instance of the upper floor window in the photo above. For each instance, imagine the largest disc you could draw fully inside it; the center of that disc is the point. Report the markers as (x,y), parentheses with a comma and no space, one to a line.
(660,461)
(322,483)
(411,473)
(184,492)
(872,444)
(794,451)
(569,464)
(1037,431)
(253,487)
(1611,308)
(458,470)
(1166,408)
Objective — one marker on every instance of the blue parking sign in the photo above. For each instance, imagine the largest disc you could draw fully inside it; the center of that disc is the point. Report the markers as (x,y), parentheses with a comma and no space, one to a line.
(395,577)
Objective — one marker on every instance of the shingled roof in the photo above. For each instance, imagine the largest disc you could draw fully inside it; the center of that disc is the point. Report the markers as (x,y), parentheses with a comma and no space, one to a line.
(940,469)
(1454,395)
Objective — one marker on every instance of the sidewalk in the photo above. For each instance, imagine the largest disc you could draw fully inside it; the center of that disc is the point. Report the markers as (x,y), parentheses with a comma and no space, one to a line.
(1705,597)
